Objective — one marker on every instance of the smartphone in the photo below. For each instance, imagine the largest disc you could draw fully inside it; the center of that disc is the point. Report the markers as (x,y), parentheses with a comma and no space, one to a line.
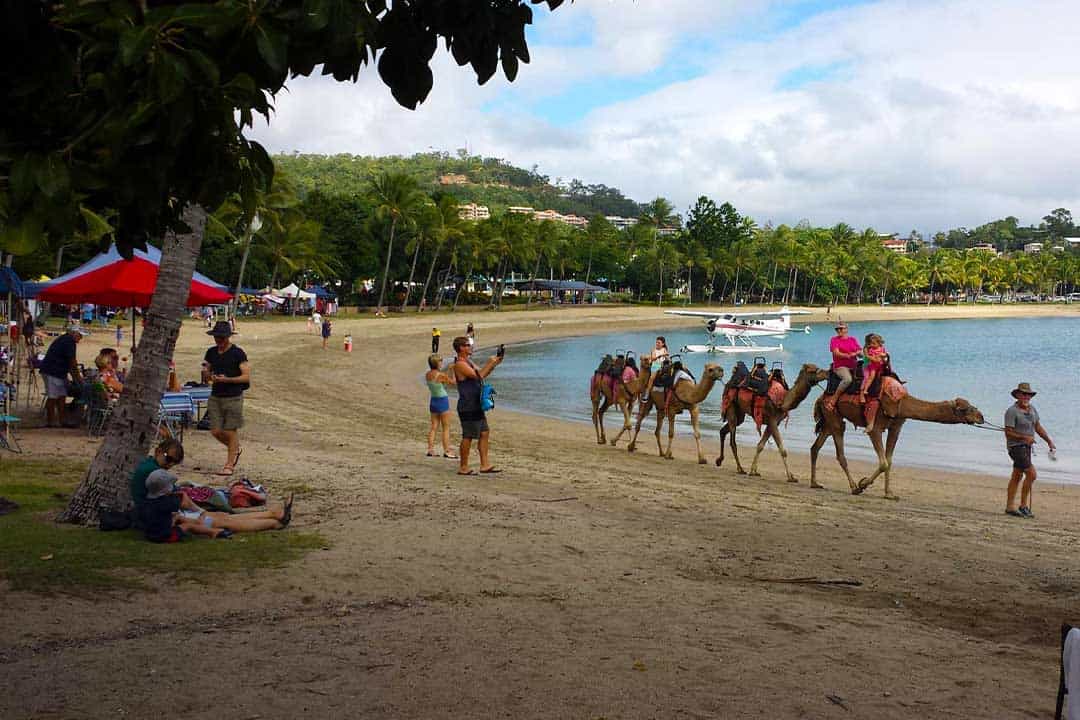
(501,351)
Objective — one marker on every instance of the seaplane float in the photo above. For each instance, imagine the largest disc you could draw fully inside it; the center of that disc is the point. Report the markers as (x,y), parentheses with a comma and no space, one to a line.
(735,332)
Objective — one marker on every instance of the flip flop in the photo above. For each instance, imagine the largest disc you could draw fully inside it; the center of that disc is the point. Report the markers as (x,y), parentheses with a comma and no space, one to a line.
(225,534)
(1014,513)
(431,454)
(286,517)
(448,455)
(239,452)
(471,472)
(225,472)
(491,471)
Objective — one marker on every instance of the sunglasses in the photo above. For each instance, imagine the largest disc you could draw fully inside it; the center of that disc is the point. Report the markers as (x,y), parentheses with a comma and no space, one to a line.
(172,460)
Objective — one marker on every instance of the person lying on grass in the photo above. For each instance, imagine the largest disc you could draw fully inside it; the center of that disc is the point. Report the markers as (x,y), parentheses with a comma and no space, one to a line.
(168,515)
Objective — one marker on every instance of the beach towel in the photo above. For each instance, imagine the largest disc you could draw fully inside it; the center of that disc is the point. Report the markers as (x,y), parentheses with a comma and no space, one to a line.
(1070,658)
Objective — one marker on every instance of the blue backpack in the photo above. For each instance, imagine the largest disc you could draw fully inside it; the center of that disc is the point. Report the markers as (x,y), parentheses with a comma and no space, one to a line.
(487,397)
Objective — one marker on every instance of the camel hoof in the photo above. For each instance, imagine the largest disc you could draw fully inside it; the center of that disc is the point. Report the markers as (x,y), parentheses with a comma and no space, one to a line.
(865,483)
(668,457)
(793,479)
(857,490)
(630,448)
(719,462)
(613,443)
(740,471)
(815,486)
(753,473)
(702,461)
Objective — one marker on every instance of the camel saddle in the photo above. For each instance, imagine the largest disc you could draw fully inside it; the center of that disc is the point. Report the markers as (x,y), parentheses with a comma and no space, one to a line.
(755,380)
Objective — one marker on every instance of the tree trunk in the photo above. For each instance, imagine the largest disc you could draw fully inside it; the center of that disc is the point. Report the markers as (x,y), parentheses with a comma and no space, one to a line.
(735,291)
(588,268)
(464,282)
(386,268)
(772,288)
(427,282)
(131,429)
(532,282)
(243,265)
(445,278)
(931,298)
(795,285)
(412,271)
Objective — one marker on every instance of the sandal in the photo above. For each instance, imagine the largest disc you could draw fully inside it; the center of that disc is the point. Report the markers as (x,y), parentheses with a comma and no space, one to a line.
(225,534)
(450,455)
(430,453)
(239,452)
(1014,513)
(225,471)
(470,472)
(491,471)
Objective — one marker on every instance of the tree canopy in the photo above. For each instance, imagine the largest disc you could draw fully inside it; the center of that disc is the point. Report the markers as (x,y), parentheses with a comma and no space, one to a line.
(139,107)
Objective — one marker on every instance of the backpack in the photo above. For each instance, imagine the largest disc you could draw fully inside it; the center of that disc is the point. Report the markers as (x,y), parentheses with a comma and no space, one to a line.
(487,397)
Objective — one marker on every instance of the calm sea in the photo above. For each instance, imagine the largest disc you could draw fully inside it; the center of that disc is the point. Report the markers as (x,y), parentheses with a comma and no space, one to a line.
(980,360)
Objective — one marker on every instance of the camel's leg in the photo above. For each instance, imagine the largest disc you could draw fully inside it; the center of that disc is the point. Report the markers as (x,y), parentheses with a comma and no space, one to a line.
(596,418)
(879,448)
(819,441)
(770,431)
(671,435)
(600,438)
(723,439)
(694,416)
(627,410)
(660,417)
(890,446)
(735,451)
(783,455)
(838,442)
(643,410)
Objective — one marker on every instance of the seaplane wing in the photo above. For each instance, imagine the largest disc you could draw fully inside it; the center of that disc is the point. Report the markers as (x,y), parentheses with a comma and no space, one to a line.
(737,315)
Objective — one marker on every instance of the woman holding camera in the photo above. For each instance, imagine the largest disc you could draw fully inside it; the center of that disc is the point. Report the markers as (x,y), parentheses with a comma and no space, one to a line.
(470,380)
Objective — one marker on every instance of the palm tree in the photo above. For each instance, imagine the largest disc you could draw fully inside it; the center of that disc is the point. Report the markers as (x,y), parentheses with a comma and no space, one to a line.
(396,197)
(448,230)
(545,243)
(293,243)
(427,219)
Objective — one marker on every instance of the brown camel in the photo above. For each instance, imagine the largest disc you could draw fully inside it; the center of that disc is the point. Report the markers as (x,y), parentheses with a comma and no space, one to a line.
(602,396)
(890,417)
(626,394)
(773,414)
(685,395)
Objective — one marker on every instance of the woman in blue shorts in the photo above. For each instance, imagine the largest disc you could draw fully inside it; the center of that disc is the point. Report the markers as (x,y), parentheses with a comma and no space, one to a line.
(438,406)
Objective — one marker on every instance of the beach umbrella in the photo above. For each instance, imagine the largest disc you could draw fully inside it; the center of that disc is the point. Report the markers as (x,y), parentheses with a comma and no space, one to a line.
(109,279)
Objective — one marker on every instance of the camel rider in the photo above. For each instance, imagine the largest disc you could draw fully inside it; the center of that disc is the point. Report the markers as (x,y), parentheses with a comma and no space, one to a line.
(845,356)
(676,374)
(660,352)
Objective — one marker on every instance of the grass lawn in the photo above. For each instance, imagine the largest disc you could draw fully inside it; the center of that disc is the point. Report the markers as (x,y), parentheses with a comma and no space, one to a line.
(40,555)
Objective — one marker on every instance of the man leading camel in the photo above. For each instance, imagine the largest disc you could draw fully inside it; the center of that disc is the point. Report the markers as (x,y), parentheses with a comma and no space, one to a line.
(227,366)
(1021,425)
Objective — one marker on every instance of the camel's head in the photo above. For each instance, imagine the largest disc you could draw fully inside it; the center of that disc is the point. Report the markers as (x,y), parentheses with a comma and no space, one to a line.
(812,374)
(714,372)
(967,413)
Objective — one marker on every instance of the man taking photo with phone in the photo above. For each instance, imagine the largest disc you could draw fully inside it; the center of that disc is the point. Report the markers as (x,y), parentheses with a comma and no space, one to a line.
(474,426)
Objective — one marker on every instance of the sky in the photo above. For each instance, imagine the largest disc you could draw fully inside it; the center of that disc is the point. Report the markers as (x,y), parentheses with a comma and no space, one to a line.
(897,115)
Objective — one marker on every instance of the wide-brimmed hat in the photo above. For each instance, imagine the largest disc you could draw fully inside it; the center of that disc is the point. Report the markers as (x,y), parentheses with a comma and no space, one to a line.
(1023,388)
(222,328)
(159,484)
(840,324)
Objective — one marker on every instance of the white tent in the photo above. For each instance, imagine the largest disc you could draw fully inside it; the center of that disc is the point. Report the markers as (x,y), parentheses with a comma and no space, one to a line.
(292,291)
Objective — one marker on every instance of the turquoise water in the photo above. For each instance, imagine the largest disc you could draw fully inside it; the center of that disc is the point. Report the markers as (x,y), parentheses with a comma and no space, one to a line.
(979,360)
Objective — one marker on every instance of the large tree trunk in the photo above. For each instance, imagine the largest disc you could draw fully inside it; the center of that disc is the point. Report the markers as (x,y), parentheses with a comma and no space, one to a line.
(427,282)
(131,428)
(412,271)
(386,268)
(464,282)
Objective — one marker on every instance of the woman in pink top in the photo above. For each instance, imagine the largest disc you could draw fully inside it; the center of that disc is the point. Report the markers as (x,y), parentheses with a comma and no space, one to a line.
(845,352)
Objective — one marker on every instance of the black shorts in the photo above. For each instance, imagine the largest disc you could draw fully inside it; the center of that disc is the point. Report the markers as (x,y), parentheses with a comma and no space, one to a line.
(1021,456)
(471,429)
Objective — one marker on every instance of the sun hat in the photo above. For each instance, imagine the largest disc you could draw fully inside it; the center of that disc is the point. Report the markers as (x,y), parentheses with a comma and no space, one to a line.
(840,324)
(1023,388)
(74,328)
(159,484)
(222,328)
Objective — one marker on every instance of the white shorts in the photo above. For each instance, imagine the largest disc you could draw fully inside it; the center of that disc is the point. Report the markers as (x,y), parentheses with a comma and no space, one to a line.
(55,388)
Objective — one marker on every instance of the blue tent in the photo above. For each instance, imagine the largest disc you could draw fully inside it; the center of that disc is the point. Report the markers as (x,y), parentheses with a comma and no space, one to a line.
(10,283)
(322,293)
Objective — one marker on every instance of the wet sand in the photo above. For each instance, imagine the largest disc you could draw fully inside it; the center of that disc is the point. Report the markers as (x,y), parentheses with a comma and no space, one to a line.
(583,581)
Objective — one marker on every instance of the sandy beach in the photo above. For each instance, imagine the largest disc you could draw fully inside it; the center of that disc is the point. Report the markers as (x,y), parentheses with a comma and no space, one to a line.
(582,582)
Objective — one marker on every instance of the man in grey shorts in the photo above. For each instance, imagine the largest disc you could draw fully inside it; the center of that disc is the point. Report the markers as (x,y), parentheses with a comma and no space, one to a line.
(470,380)
(1021,426)
(60,360)
(226,365)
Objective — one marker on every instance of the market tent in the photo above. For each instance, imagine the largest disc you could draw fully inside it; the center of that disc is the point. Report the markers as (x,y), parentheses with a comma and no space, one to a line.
(321,293)
(292,291)
(559,285)
(109,279)
(10,283)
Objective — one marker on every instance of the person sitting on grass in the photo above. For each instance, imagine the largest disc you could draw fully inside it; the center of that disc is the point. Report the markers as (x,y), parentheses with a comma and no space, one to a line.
(168,515)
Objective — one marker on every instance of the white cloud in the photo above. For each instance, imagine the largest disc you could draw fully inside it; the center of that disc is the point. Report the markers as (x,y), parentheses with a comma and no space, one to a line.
(942,113)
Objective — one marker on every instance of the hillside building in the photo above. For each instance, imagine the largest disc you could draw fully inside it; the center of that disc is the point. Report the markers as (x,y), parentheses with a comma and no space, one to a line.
(894,243)
(1033,248)
(453,179)
(472,211)
(621,223)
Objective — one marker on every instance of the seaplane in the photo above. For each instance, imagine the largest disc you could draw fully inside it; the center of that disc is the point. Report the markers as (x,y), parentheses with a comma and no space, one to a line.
(739,329)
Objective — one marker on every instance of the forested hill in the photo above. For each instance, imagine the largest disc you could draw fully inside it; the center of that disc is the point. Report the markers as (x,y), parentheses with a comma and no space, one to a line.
(488,181)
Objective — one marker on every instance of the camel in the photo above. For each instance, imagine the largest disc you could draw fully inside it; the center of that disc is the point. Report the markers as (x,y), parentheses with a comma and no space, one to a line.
(685,395)
(890,416)
(809,376)
(603,394)
(626,394)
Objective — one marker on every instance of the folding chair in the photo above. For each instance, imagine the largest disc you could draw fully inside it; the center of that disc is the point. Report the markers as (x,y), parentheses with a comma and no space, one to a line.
(1062,690)
(200,396)
(174,414)
(8,441)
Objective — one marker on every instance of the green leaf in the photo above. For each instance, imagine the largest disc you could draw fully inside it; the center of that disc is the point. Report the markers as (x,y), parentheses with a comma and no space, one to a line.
(51,176)
(135,43)
(170,75)
(22,238)
(272,47)
(96,226)
(22,178)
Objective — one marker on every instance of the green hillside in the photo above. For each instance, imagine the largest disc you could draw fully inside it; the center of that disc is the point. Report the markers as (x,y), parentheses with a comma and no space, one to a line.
(490,181)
